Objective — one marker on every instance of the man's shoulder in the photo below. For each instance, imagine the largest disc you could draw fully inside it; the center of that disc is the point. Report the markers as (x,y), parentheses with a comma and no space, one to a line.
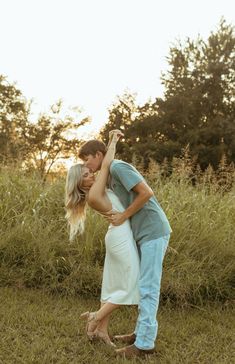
(119,163)
(119,167)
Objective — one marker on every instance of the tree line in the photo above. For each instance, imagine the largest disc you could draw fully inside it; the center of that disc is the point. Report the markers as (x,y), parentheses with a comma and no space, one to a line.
(197,111)
(39,144)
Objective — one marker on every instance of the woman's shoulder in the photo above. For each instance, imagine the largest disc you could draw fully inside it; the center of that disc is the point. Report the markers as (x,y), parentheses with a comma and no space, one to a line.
(99,203)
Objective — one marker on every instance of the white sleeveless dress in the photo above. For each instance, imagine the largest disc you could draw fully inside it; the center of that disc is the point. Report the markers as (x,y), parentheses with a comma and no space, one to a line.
(121,266)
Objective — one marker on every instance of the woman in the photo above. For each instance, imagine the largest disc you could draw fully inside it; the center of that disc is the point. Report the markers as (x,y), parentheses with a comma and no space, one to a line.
(121,267)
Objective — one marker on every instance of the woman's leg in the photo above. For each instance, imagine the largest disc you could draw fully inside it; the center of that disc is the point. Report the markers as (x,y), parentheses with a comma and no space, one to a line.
(97,323)
(100,317)
(105,310)
(103,324)
(101,331)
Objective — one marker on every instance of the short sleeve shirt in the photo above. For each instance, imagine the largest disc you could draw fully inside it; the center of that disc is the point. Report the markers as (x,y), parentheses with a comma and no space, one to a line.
(150,222)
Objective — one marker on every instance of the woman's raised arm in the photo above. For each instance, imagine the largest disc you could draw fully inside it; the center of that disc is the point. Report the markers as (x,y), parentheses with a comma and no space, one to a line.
(97,192)
(114,136)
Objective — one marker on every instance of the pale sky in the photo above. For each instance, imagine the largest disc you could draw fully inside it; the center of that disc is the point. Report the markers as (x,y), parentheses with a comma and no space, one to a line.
(88,51)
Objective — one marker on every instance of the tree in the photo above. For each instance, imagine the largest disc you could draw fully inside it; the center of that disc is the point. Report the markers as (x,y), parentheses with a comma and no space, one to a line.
(14,111)
(50,139)
(143,139)
(37,144)
(199,105)
(198,108)
(122,113)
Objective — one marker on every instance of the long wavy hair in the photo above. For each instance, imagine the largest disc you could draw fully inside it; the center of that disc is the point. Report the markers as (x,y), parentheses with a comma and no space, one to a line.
(75,201)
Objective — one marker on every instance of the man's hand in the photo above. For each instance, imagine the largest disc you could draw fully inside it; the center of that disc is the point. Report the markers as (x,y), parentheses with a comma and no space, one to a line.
(116,218)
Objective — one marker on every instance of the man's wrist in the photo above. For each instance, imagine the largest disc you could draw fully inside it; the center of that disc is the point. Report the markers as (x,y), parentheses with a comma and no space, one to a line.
(126,215)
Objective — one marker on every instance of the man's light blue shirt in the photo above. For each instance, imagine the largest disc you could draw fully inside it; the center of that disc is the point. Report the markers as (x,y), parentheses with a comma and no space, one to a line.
(150,222)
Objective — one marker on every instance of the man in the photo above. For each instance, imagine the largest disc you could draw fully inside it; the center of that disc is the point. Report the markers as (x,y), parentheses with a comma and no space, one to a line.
(151,231)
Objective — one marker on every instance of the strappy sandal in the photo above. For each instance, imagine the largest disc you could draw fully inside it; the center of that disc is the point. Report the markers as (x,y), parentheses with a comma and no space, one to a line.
(102,336)
(92,323)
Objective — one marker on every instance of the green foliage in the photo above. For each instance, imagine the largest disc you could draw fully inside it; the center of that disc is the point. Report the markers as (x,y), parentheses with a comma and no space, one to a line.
(49,139)
(198,108)
(35,145)
(35,250)
(121,116)
(13,120)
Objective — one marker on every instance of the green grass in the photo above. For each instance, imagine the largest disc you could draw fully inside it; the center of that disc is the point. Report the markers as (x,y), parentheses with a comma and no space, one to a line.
(35,251)
(46,282)
(40,328)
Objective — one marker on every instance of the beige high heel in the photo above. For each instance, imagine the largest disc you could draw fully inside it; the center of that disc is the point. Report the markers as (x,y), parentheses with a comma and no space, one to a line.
(100,335)
(92,323)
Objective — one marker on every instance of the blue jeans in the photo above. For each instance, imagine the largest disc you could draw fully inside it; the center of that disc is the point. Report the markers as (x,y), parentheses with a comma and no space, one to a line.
(151,258)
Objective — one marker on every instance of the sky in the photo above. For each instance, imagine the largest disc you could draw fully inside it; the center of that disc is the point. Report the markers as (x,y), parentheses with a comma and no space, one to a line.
(86,52)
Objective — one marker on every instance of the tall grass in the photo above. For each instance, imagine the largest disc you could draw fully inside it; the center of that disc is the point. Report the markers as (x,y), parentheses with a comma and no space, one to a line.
(35,250)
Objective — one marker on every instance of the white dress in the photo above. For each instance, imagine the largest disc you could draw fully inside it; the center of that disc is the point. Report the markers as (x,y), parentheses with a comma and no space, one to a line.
(121,266)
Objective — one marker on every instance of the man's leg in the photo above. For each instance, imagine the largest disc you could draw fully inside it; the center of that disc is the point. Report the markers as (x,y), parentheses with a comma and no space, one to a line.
(152,255)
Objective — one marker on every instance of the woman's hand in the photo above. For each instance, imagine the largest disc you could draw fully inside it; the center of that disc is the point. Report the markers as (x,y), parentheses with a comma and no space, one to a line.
(115,135)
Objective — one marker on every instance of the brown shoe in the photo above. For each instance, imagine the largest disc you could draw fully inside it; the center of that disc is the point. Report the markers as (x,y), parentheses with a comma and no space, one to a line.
(132,351)
(126,339)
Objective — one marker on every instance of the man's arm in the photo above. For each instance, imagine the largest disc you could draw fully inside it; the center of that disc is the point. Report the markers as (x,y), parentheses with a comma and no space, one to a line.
(143,194)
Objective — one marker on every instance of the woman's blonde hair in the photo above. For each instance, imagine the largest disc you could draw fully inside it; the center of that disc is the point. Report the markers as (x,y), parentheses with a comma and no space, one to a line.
(75,201)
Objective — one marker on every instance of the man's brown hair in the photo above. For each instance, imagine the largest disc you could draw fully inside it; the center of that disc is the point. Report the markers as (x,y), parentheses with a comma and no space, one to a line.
(91,147)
